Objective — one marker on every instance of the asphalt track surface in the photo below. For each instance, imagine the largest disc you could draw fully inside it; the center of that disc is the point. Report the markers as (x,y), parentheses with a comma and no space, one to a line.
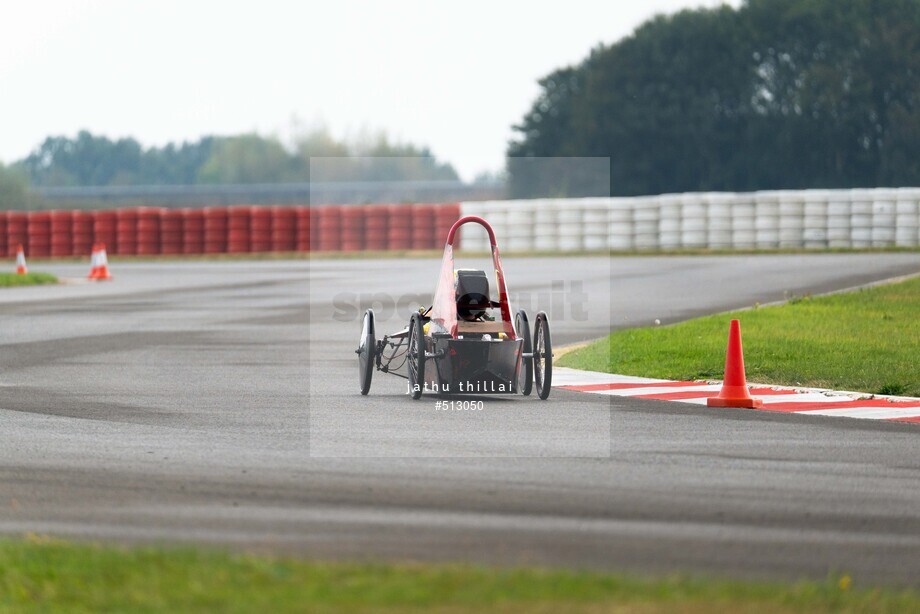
(216,403)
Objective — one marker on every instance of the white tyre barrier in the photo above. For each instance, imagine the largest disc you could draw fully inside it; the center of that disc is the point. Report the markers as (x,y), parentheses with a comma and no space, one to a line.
(519,219)
(744,234)
(907,220)
(861,218)
(693,220)
(646,223)
(473,237)
(620,230)
(519,215)
(594,223)
(839,212)
(766,221)
(570,215)
(518,244)
(883,218)
(497,216)
(814,230)
(719,215)
(791,219)
(545,225)
(669,224)
(475,207)
(813,219)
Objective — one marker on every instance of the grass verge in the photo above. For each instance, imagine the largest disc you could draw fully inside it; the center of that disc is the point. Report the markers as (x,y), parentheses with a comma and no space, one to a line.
(10,280)
(40,574)
(866,341)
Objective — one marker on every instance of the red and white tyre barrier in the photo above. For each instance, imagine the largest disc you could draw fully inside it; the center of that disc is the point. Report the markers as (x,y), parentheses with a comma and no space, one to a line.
(260,229)
(17,231)
(105,230)
(284,229)
(810,402)
(83,233)
(61,233)
(192,231)
(171,231)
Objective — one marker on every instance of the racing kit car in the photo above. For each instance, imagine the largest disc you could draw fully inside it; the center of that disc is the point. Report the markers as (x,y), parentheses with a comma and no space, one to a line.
(465,343)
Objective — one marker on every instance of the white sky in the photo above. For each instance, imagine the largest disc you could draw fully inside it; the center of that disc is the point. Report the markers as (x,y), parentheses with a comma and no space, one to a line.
(452,76)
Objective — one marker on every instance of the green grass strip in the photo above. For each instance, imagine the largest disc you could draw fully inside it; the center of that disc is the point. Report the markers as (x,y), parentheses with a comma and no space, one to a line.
(39,574)
(10,280)
(866,341)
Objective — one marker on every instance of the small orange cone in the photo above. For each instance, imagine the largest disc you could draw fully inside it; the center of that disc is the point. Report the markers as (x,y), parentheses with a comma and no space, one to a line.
(734,391)
(101,267)
(21,268)
(94,263)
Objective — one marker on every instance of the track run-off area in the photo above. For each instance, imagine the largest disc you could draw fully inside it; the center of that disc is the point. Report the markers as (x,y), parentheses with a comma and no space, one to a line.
(217,403)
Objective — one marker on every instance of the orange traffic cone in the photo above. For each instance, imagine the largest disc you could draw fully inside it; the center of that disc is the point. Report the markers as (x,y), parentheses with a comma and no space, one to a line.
(734,391)
(21,268)
(100,271)
(94,263)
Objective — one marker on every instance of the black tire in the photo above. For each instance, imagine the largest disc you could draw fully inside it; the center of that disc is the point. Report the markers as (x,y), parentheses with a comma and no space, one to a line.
(415,360)
(542,356)
(366,349)
(522,330)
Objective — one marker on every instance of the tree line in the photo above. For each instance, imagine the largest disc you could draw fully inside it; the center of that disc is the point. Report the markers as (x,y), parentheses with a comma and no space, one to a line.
(774,94)
(91,160)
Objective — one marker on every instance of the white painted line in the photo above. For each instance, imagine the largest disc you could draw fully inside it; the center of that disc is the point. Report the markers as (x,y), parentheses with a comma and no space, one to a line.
(697,401)
(563,376)
(808,397)
(636,392)
(871,413)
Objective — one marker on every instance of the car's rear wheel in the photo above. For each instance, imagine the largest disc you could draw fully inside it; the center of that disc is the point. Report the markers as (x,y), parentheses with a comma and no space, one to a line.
(522,330)
(542,356)
(366,348)
(415,359)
